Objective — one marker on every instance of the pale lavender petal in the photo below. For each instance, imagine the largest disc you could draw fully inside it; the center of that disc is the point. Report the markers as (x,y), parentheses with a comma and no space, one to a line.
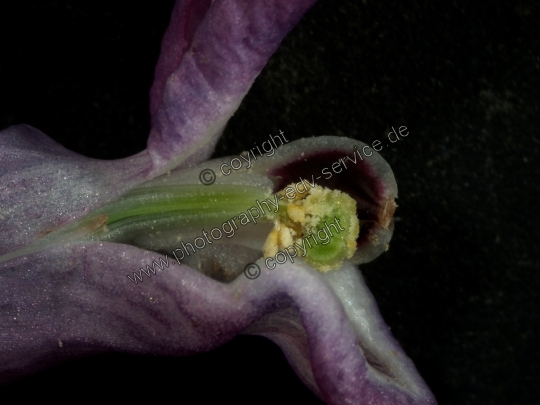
(44,186)
(327,325)
(211,54)
(338,343)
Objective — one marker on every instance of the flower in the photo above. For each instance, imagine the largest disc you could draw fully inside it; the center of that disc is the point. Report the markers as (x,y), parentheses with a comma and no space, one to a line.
(65,294)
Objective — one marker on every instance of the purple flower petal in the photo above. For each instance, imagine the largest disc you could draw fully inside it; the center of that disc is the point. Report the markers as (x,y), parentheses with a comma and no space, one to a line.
(44,186)
(211,54)
(337,343)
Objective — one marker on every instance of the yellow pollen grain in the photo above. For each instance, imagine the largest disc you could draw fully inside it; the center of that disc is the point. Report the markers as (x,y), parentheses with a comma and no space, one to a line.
(296,213)
(285,236)
(271,246)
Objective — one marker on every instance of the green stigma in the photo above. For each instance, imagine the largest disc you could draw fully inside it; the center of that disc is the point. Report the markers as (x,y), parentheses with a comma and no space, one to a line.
(322,220)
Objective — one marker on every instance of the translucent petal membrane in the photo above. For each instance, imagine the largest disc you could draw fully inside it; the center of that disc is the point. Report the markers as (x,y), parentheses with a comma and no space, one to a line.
(336,163)
(174,207)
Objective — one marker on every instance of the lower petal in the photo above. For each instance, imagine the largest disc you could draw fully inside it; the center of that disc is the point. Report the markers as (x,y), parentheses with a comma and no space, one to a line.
(327,324)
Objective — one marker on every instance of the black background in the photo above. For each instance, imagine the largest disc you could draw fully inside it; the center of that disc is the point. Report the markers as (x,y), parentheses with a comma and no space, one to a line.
(459,285)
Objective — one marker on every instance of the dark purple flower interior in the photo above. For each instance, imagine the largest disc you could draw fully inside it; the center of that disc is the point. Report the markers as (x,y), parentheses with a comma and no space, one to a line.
(357,180)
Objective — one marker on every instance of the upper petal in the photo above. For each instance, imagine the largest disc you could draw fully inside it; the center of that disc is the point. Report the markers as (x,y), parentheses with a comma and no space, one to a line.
(211,54)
